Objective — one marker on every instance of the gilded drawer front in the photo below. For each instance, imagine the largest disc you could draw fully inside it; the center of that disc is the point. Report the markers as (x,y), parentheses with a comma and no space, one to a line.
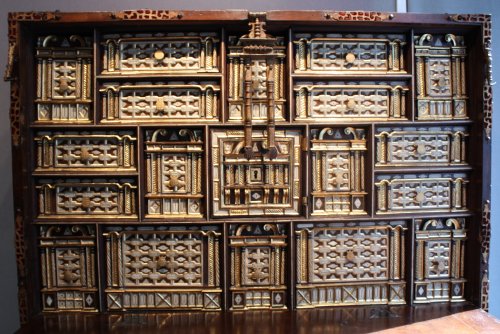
(339,265)
(63,86)
(330,101)
(165,102)
(338,171)
(64,151)
(440,77)
(421,192)
(439,261)
(349,52)
(163,268)
(68,267)
(258,253)
(90,198)
(174,163)
(256,186)
(183,52)
(415,146)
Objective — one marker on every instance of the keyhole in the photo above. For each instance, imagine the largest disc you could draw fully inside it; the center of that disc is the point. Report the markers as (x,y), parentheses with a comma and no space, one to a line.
(255,175)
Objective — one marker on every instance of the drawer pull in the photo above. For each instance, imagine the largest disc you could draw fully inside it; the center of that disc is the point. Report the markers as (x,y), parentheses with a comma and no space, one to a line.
(159,55)
(350,58)
(351,104)
(85,154)
(421,149)
(160,104)
(350,256)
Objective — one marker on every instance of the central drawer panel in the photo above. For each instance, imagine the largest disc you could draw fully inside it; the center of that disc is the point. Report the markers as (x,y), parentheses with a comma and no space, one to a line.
(257,186)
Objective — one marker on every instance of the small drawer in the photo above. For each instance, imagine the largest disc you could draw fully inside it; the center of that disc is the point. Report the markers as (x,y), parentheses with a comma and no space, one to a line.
(331,101)
(440,77)
(324,53)
(130,54)
(417,146)
(87,198)
(64,79)
(338,171)
(85,151)
(340,265)
(68,267)
(440,259)
(421,193)
(258,253)
(174,169)
(163,268)
(158,101)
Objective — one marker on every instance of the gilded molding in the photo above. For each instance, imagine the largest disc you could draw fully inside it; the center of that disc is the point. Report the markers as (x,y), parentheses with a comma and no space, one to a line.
(147,14)
(358,16)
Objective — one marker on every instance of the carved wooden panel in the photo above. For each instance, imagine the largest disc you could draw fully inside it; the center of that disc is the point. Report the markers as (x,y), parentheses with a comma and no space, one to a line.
(174,162)
(256,66)
(87,198)
(417,146)
(340,265)
(256,186)
(64,86)
(440,77)
(331,101)
(440,259)
(160,101)
(335,52)
(68,267)
(422,192)
(80,150)
(130,54)
(338,171)
(258,254)
(163,268)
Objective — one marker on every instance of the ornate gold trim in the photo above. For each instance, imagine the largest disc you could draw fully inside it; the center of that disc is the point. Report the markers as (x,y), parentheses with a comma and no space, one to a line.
(358,16)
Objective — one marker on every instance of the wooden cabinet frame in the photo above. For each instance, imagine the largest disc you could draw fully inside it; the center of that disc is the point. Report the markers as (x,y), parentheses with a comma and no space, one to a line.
(403,66)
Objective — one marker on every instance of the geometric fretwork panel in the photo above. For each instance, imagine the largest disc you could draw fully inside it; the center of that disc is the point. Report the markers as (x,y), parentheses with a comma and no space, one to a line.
(87,198)
(259,185)
(174,164)
(323,53)
(68,266)
(415,146)
(439,262)
(257,266)
(331,257)
(338,175)
(166,264)
(185,101)
(334,101)
(171,52)
(64,67)
(414,193)
(58,151)
(440,77)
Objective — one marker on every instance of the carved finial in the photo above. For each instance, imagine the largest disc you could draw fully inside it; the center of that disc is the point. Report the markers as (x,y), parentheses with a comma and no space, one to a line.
(257,29)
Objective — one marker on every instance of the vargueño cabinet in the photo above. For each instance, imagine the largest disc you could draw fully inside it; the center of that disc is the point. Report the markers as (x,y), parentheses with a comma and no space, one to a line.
(226,160)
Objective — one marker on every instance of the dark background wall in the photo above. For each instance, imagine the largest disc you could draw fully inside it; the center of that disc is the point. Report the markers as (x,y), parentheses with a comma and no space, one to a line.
(8,280)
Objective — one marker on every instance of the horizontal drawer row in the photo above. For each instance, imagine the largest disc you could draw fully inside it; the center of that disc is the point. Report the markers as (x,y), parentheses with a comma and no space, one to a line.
(65,82)
(174,160)
(182,267)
